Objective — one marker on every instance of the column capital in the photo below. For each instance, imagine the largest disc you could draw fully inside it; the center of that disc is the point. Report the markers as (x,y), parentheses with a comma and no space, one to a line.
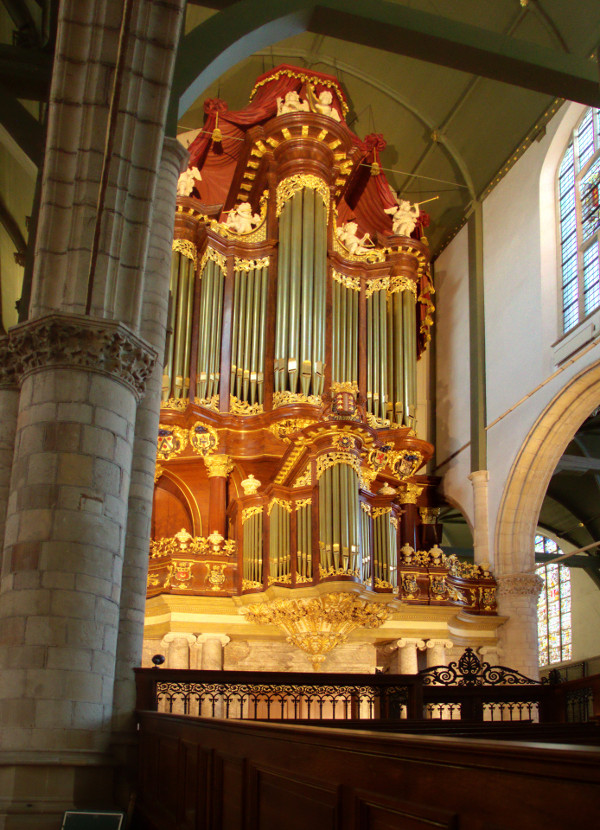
(74,341)
(519,584)
(218,466)
(205,638)
(178,635)
(411,641)
(9,378)
(480,476)
(442,643)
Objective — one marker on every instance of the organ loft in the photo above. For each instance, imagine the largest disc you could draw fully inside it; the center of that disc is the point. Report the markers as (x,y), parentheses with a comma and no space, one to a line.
(293,517)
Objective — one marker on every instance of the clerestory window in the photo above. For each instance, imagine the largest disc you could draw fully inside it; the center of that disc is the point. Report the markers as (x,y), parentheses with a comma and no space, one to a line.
(579,221)
(554,607)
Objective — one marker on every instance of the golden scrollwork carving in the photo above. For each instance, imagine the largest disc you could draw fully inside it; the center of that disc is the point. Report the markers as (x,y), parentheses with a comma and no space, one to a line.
(304,479)
(215,575)
(248,512)
(369,255)
(178,404)
(429,515)
(366,508)
(238,407)
(215,256)
(208,403)
(405,462)
(286,505)
(408,493)
(158,471)
(381,511)
(319,624)
(287,398)
(390,284)
(179,574)
(299,181)
(330,459)
(250,585)
(289,426)
(298,505)
(378,423)
(250,264)
(382,583)
(187,249)
(306,78)
(284,579)
(203,438)
(353,283)
(184,543)
(172,440)
(333,571)
(218,466)
(349,387)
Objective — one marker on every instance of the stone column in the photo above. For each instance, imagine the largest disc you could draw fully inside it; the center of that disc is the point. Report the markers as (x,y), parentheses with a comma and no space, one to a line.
(212,659)
(9,405)
(407,655)
(436,652)
(517,599)
(218,468)
(153,329)
(65,531)
(177,647)
(481,535)
(492,655)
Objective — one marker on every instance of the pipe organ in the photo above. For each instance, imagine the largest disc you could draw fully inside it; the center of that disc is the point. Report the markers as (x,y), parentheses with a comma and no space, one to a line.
(288,455)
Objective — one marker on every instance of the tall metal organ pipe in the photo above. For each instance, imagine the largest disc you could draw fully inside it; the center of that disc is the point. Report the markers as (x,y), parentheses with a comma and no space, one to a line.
(176,372)
(340,537)
(209,332)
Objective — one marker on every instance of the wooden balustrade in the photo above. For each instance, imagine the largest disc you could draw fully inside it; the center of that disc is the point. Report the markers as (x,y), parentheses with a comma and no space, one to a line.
(228,775)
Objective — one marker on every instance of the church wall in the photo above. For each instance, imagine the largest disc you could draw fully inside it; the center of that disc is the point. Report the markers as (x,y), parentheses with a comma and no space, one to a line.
(585,616)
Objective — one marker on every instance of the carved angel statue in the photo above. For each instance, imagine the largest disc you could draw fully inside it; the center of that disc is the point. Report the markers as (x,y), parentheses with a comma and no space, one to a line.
(322,105)
(292,103)
(185,183)
(241,219)
(404,217)
(350,240)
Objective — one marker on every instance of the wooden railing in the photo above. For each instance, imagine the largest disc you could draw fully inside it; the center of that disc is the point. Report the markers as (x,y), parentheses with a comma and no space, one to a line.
(234,775)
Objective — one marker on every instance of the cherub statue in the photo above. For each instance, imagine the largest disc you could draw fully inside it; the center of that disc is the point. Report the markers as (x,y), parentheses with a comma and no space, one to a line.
(322,105)
(185,183)
(350,240)
(404,217)
(292,103)
(241,219)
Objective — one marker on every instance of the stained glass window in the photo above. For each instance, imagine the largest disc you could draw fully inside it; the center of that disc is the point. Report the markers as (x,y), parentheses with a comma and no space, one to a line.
(578,195)
(554,607)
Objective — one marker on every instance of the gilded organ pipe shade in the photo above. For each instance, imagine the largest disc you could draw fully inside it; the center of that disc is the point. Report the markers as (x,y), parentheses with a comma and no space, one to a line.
(209,335)
(301,294)
(176,371)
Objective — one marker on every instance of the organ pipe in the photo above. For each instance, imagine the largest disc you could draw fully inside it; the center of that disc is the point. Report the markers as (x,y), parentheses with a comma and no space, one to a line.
(209,336)
(176,373)
(339,520)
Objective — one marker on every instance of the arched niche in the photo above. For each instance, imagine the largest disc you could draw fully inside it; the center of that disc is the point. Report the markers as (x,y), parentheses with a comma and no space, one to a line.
(173,508)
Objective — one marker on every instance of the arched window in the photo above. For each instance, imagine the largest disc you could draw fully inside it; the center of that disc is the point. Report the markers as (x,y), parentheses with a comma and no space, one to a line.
(579,221)
(554,607)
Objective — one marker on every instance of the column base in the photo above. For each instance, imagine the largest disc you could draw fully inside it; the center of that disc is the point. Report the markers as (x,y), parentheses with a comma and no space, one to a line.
(36,788)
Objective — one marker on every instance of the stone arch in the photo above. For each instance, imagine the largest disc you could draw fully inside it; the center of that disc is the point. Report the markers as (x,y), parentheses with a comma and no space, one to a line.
(534,465)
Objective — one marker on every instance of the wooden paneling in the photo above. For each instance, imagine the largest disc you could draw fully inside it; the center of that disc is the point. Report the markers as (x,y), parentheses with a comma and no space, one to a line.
(285,777)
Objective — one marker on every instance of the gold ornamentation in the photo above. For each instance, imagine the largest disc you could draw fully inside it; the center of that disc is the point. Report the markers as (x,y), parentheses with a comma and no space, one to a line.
(301,580)
(366,508)
(248,512)
(216,576)
(378,423)
(304,479)
(215,256)
(238,407)
(286,505)
(299,181)
(369,254)
(179,574)
(331,459)
(187,249)
(353,283)
(172,440)
(250,485)
(333,571)
(381,511)
(289,426)
(381,583)
(488,598)
(179,404)
(307,79)
(184,543)
(208,403)
(250,585)
(298,505)
(319,624)
(250,264)
(408,493)
(158,471)
(339,387)
(344,442)
(280,580)
(203,438)
(257,234)
(410,586)
(368,476)
(405,462)
(218,466)
(390,284)
(288,398)
(429,515)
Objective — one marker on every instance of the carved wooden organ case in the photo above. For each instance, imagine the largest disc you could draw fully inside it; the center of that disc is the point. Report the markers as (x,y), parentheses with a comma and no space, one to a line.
(286,452)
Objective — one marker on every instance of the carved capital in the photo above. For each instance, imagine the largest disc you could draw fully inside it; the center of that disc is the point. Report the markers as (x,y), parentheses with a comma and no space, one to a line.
(76,342)
(171,636)
(519,585)
(414,642)
(218,466)
(9,378)
(439,643)
(223,639)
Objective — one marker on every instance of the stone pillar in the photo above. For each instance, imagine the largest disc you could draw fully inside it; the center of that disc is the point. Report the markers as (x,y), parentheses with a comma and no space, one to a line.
(517,600)
(177,647)
(492,655)
(407,655)
(65,532)
(436,652)
(212,650)
(481,535)
(218,468)
(9,405)
(153,329)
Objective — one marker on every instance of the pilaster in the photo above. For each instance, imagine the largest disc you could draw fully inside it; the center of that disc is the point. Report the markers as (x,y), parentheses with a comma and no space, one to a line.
(517,599)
